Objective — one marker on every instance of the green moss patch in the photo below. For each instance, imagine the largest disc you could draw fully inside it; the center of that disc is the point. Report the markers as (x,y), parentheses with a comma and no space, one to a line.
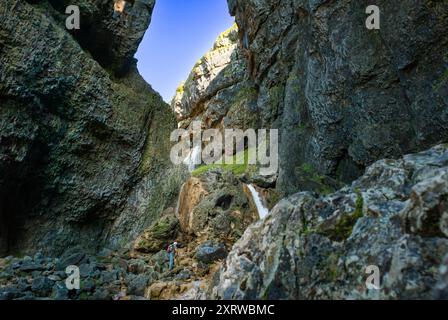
(344,227)
(238,167)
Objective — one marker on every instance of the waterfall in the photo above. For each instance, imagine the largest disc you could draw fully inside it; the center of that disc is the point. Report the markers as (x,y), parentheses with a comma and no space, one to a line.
(194,158)
(262,210)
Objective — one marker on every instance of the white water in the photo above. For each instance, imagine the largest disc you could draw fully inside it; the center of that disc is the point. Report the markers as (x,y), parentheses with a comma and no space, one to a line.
(262,210)
(194,158)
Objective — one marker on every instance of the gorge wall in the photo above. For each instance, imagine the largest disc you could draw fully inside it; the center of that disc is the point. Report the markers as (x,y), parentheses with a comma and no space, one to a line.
(84,156)
(342,95)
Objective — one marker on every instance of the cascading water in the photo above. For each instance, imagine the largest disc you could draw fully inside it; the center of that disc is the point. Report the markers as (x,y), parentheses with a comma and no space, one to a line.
(194,158)
(262,210)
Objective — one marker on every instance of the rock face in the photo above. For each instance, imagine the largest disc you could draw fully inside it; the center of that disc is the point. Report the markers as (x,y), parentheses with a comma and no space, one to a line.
(159,235)
(342,95)
(214,205)
(210,252)
(84,155)
(191,194)
(110,30)
(394,218)
(80,147)
(217,92)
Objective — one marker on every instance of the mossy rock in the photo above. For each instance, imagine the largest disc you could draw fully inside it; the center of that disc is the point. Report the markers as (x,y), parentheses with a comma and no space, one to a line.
(343,228)
(311,180)
(156,238)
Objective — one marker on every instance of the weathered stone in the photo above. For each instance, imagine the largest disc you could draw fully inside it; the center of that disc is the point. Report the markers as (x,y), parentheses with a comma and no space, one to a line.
(219,70)
(9,293)
(344,96)
(427,210)
(60,292)
(101,294)
(138,284)
(441,288)
(313,247)
(214,205)
(159,235)
(191,194)
(210,252)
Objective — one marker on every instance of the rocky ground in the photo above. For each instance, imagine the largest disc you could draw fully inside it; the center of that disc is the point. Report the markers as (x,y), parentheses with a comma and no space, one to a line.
(109,275)
(214,210)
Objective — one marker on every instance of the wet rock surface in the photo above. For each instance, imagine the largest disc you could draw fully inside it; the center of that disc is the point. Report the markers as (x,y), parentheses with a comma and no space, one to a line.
(210,252)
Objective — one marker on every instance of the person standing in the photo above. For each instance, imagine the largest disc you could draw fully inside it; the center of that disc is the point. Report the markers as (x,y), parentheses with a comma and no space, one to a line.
(172,253)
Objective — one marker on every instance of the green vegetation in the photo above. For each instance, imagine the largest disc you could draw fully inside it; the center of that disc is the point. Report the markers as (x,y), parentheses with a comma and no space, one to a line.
(344,227)
(246,94)
(238,167)
(313,180)
(276,95)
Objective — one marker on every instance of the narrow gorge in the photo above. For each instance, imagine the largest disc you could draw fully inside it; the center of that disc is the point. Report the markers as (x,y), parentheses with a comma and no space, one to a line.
(87,177)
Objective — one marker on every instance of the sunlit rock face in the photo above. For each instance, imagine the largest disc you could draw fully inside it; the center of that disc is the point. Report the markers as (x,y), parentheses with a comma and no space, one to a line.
(344,96)
(84,155)
(119,6)
(217,92)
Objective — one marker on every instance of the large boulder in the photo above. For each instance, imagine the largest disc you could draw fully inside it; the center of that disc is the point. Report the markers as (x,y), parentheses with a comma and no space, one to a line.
(210,252)
(311,247)
(214,205)
(110,30)
(159,235)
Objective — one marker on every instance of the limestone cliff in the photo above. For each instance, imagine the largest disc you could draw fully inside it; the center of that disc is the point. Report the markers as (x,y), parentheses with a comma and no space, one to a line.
(83,139)
(342,95)
(217,91)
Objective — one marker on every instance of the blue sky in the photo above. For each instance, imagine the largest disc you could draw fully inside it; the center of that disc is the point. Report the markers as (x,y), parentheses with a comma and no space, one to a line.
(181,32)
